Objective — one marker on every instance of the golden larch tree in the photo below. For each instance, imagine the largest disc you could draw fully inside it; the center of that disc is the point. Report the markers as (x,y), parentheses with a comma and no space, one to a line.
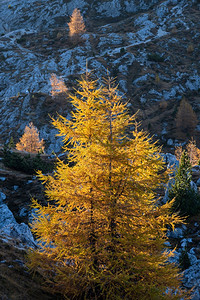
(76,24)
(102,232)
(57,85)
(192,150)
(186,119)
(30,140)
(178,152)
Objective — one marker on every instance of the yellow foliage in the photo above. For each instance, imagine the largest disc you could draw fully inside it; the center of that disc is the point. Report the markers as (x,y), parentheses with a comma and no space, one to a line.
(76,24)
(192,151)
(57,85)
(178,152)
(30,141)
(102,232)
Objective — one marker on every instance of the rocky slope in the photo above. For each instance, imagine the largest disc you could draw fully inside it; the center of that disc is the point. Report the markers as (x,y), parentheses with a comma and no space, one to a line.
(151,47)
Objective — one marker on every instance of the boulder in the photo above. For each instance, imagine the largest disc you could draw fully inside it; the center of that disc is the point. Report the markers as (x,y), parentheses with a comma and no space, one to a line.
(2,197)
(176,234)
(171,161)
(9,227)
(168,187)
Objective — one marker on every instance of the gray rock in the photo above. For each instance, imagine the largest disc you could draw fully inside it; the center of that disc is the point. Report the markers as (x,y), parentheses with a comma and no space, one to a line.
(21,232)
(198,182)
(170,142)
(192,276)
(184,242)
(168,187)
(196,295)
(2,197)
(167,244)
(171,161)
(23,212)
(9,227)
(176,234)
(196,169)
(193,259)
(194,186)
(175,257)
(6,216)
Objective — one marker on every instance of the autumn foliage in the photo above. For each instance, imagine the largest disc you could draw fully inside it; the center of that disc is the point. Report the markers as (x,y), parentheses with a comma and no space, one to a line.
(102,232)
(186,119)
(76,24)
(30,141)
(57,85)
(192,150)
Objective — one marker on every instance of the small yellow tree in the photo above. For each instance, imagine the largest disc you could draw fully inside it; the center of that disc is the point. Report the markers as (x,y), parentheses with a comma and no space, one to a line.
(57,86)
(30,141)
(178,152)
(76,24)
(102,232)
(192,151)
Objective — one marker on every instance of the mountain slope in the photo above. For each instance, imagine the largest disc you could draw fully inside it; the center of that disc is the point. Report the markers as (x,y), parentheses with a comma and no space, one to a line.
(144,44)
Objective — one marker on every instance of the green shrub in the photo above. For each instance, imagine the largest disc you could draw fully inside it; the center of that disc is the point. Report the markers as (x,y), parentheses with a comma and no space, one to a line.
(26,163)
(187,200)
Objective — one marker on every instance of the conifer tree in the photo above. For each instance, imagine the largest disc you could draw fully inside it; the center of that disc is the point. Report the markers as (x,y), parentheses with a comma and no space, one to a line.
(57,86)
(186,119)
(178,152)
(76,24)
(187,200)
(30,140)
(192,151)
(11,143)
(102,234)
